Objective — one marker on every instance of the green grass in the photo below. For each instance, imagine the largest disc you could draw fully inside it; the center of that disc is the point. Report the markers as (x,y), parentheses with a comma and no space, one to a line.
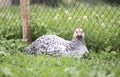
(15,63)
(101,26)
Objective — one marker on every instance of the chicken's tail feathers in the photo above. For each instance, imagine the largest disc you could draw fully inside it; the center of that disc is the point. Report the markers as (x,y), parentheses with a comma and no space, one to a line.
(29,50)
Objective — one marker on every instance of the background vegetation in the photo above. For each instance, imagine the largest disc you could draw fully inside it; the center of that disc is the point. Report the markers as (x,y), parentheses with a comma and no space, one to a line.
(101,25)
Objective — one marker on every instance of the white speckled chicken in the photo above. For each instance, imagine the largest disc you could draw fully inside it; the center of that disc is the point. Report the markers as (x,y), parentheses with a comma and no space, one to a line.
(55,45)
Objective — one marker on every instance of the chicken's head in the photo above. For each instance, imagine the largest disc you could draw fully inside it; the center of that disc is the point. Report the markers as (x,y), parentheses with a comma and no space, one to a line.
(78,34)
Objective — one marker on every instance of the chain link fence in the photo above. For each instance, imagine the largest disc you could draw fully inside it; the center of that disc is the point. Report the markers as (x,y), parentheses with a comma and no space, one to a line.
(100,20)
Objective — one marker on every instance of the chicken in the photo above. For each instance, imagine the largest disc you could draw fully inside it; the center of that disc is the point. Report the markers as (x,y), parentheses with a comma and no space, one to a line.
(55,45)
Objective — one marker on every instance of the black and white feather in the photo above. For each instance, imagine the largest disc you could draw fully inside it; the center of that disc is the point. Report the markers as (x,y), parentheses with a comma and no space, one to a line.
(55,45)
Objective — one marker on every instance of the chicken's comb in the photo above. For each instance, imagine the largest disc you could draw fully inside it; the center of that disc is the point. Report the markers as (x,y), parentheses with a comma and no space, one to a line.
(79,29)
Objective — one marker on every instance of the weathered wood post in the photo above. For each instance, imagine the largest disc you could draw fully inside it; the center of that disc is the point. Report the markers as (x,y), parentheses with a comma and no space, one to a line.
(25,11)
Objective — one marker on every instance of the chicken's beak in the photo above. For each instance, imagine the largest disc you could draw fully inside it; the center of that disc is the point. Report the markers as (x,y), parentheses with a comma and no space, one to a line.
(79,35)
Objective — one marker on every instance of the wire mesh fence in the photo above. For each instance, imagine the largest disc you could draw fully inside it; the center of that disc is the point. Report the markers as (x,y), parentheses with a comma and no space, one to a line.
(100,20)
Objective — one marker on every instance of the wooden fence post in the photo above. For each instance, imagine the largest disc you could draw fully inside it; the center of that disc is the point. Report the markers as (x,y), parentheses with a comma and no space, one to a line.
(25,10)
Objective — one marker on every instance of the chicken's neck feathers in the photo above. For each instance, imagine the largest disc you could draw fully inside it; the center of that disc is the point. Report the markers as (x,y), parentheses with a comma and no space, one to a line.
(78,41)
